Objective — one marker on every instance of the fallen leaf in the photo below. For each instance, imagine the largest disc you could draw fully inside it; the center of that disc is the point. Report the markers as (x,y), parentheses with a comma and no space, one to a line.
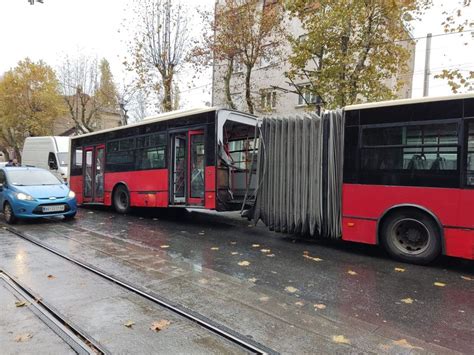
(253,279)
(265,250)
(51,277)
(234,253)
(399,269)
(201,233)
(233,243)
(160,325)
(312,258)
(20,303)
(203,281)
(90,212)
(407,300)
(291,289)
(23,337)
(340,339)
(299,303)
(215,248)
(264,298)
(140,217)
(405,344)
(250,225)
(270,255)
(305,252)
(255,245)
(244,263)
(467,278)
(164,246)
(319,306)
(439,284)
(155,219)
(350,272)
(129,323)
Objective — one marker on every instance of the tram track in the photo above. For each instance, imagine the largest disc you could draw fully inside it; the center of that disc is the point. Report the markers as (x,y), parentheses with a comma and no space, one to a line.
(220,330)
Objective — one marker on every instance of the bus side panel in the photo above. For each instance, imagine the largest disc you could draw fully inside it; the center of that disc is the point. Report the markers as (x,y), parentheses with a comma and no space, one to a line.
(210,187)
(459,243)
(148,188)
(76,185)
(359,230)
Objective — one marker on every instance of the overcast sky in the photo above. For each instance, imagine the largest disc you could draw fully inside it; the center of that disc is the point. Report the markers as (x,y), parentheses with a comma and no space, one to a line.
(51,30)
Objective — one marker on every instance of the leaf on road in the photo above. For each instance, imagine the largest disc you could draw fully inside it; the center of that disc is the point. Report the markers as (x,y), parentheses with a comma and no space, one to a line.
(244,263)
(299,303)
(467,278)
(340,339)
(270,255)
(407,300)
(155,219)
(201,233)
(255,245)
(439,284)
(233,243)
(399,269)
(405,344)
(165,246)
(129,323)
(305,252)
(160,325)
(51,277)
(20,303)
(23,337)
(312,257)
(90,212)
(291,289)
(319,306)
(264,298)
(351,272)
(234,253)
(250,226)
(203,281)
(253,279)
(265,250)
(215,248)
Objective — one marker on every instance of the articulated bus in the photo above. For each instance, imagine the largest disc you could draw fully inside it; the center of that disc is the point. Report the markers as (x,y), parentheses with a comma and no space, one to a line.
(408,179)
(198,158)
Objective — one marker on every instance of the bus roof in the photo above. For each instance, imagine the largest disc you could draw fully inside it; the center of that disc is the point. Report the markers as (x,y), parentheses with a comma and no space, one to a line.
(158,118)
(409,101)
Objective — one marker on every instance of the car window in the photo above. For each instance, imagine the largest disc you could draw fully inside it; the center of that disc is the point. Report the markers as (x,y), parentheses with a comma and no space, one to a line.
(3,179)
(32,178)
(62,159)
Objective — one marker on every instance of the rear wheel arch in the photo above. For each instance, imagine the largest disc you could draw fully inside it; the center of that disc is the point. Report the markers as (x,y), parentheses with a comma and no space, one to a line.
(124,186)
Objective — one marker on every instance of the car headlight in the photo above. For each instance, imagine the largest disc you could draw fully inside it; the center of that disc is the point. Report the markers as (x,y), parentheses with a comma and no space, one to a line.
(71,194)
(24,197)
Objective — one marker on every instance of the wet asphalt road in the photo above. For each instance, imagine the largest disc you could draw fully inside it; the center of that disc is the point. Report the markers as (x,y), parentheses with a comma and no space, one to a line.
(346,281)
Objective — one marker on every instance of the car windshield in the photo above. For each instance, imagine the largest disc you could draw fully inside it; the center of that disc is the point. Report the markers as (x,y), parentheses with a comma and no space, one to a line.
(62,157)
(32,178)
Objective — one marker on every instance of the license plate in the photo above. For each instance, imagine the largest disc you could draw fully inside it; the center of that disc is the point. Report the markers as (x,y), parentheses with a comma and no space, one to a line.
(58,208)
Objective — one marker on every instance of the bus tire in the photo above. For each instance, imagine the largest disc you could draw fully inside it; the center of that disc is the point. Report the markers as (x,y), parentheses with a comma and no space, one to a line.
(8,213)
(121,198)
(411,236)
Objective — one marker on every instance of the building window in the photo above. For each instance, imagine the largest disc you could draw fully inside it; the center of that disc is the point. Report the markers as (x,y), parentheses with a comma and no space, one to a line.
(306,96)
(238,66)
(268,100)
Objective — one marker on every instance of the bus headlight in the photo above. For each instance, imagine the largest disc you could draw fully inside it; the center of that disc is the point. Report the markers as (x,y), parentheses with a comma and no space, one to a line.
(71,194)
(24,197)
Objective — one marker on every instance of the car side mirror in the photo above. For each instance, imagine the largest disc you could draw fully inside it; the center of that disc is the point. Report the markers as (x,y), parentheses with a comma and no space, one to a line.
(52,165)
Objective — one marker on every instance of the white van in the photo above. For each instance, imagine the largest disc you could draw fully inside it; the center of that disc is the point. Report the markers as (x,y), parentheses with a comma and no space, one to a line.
(48,152)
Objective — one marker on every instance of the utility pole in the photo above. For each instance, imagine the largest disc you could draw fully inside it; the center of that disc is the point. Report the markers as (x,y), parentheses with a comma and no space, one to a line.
(426,81)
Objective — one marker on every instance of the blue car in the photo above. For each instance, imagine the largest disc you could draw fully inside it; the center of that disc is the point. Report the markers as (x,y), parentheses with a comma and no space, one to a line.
(34,193)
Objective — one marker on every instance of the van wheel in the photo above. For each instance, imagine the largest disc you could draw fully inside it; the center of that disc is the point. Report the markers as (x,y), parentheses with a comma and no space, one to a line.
(10,217)
(411,236)
(121,199)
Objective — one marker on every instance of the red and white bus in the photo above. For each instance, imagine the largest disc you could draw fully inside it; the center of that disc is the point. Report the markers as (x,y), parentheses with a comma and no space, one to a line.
(197,158)
(409,177)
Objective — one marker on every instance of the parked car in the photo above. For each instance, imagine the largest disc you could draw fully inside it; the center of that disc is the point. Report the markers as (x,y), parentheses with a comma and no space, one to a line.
(27,192)
(48,152)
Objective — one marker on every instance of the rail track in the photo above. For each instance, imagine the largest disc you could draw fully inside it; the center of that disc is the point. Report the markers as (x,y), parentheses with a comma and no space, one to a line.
(220,330)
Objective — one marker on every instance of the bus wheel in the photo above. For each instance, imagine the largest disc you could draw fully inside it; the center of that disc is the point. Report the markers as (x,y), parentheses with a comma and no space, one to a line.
(121,199)
(411,236)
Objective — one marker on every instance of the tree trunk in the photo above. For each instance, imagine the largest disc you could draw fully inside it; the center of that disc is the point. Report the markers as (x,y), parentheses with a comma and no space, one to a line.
(167,102)
(248,94)
(227,78)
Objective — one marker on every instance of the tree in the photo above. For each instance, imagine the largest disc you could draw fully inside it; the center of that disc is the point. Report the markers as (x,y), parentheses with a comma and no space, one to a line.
(29,103)
(457,22)
(352,48)
(159,46)
(88,90)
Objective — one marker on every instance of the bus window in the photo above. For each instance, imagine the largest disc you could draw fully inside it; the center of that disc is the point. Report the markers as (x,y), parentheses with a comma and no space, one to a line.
(470,154)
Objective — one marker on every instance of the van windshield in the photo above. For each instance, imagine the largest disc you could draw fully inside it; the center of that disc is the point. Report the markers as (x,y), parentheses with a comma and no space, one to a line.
(62,157)
(26,177)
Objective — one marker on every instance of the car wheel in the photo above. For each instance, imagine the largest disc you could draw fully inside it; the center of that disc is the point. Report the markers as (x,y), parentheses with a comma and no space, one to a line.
(121,199)
(8,213)
(411,236)
(68,217)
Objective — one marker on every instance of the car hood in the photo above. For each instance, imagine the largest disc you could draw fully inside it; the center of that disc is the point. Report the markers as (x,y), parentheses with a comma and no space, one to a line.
(46,191)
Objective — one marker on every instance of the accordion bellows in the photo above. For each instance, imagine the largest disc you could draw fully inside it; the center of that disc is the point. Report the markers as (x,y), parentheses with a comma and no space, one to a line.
(299,174)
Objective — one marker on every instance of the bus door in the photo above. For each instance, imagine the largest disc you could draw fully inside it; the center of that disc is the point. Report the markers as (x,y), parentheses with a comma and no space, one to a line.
(188,161)
(93,172)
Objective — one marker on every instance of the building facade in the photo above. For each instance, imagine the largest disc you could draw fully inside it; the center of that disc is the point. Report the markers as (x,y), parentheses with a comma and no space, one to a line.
(272,93)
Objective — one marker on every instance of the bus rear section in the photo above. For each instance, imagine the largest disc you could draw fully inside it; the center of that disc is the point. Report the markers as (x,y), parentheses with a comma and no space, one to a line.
(171,160)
